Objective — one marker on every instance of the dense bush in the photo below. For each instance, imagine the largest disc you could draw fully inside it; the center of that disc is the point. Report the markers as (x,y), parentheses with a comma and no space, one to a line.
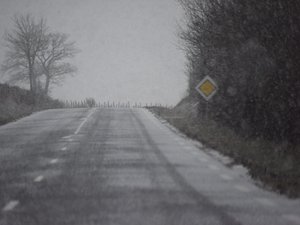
(16,102)
(251,49)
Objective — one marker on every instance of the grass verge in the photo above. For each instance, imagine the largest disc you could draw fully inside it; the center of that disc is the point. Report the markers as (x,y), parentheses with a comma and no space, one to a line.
(266,161)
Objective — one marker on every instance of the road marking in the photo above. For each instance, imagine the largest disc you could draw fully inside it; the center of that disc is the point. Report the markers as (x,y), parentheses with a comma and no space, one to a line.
(292,218)
(242,188)
(70,140)
(64,149)
(213,167)
(39,179)
(10,206)
(266,202)
(84,121)
(53,161)
(226,177)
(67,137)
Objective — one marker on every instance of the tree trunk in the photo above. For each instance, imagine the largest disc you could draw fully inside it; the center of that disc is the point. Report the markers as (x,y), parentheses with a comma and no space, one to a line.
(46,90)
(32,77)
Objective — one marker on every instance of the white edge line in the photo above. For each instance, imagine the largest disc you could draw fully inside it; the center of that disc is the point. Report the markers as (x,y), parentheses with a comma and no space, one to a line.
(202,159)
(292,218)
(213,167)
(226,177)
(11,205)
(265,201)
(66,137)
(53,161)
(241,188)
(38,179)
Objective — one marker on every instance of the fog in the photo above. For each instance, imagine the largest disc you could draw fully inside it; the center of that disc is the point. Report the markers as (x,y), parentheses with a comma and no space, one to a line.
(129,48)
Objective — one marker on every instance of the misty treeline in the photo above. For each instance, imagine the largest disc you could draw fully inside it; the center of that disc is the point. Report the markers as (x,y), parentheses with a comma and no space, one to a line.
(251,49)
(88,102)
(91,102)
(36,55)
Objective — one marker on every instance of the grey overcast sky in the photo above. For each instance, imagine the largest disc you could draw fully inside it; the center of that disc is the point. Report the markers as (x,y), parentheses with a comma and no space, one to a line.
(129,48)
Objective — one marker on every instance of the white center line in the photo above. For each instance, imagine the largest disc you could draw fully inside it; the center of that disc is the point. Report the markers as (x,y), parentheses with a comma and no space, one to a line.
(10,206)
(84,121)
(53,161)
(38,179)
(242,188)
(292,218)
(66,137)
(226,177)
(64,149)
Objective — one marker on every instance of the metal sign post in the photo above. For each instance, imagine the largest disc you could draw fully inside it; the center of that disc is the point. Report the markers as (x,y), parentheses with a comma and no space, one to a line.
(207,88)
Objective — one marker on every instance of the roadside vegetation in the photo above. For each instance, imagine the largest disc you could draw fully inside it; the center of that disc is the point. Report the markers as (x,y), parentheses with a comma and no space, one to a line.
(251,50)
(36,58)
(266,160)
(16,102)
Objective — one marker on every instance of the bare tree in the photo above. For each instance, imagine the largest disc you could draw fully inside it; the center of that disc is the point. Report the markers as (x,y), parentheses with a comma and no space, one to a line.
(23,44)
(52,59)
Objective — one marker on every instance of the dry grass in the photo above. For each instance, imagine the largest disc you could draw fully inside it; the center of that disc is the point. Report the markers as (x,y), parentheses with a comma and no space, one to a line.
(266,161)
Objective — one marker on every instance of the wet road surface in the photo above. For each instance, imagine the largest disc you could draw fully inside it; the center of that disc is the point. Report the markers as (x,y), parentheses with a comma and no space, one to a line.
(122,166)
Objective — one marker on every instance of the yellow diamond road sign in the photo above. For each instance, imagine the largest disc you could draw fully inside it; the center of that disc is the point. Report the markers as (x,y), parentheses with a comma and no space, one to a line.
(207,88)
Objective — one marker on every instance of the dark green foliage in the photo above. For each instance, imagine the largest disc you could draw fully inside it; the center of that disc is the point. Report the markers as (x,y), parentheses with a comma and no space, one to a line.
(252,49)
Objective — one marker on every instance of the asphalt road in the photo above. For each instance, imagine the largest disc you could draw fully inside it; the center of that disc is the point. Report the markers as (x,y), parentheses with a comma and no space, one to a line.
(122,166)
